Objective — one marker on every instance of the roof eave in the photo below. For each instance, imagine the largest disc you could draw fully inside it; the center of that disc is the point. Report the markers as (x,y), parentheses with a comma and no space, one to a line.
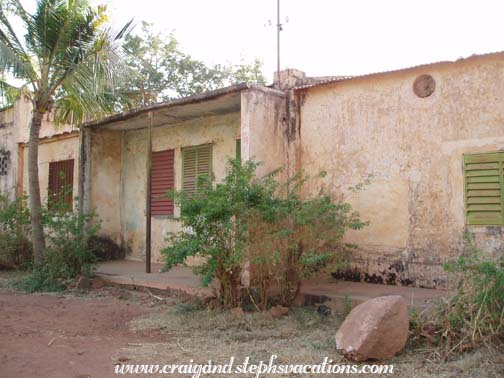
(168,104)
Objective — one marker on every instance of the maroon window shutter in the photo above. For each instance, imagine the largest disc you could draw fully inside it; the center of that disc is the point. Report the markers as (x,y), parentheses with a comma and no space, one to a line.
(163,180)
(61,177)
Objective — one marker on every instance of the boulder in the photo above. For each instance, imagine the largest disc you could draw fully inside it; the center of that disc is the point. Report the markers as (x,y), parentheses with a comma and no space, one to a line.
(278,311)
(376,329)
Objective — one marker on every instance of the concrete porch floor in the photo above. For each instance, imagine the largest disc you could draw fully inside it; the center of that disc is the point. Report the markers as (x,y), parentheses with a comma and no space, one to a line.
(181,281)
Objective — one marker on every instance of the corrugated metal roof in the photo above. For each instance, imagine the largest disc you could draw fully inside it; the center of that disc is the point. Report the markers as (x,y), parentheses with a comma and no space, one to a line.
(426,65)
(167,104)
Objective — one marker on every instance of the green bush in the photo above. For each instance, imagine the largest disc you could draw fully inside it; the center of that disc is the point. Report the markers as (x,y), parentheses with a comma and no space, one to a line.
(15,248)
(215,229)
(16,251)
(292,238)
(474,316)
(262,222)
(68,253)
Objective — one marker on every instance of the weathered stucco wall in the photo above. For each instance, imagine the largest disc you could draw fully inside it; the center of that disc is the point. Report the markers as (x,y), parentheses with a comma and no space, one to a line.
(221,131)
(104,181)
(8,148)
(412,147)
(14,131)
(263,128)
(52,151)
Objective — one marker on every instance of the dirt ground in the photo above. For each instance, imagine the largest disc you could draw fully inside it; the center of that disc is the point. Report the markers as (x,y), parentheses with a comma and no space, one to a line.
(85,334)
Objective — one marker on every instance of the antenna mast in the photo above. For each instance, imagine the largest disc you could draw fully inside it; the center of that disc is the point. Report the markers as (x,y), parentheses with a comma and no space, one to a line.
(279,29)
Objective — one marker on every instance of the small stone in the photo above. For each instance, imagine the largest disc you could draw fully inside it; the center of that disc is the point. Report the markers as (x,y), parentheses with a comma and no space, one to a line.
(83,283)
(214,304)
(278,311)
(237,313)
(376,329)
(323,310)
(97,283)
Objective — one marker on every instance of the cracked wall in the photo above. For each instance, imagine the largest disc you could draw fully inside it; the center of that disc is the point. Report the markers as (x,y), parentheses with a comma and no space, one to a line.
(412,147)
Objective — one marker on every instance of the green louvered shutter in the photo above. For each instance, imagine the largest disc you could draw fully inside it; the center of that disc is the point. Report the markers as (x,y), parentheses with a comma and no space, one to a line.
(484,188)
(238,149)
(196,161)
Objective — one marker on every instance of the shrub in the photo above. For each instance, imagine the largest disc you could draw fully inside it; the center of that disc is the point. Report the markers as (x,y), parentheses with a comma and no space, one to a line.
(292,238)
(67,253)
(474,316)
(15,248)
(105,249)
(260,221)
(16,251)
(214,221)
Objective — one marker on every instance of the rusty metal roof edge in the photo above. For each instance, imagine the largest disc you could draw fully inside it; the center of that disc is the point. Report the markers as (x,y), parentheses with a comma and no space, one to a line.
(425,65)
(54,136)
(167,104)
(6,107)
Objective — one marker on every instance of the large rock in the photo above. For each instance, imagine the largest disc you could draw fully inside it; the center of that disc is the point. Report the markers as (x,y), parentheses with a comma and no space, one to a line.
(375,329)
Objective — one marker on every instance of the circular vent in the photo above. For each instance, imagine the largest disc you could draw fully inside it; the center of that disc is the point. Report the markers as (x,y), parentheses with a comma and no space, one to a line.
(424,86)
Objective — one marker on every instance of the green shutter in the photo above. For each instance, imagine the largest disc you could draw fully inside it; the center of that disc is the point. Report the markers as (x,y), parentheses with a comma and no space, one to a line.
(238,149)
(196,161)
(484,194)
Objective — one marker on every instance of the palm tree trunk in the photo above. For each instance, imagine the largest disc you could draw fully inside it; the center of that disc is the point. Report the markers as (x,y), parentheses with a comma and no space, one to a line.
(38,237)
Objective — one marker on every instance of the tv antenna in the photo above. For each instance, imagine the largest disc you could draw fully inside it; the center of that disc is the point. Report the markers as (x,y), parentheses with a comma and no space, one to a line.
(279,27)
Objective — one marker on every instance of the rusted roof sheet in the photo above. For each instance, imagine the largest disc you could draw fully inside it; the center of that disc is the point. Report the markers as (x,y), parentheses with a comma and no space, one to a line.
(6,107)
(167,104)
(426,65)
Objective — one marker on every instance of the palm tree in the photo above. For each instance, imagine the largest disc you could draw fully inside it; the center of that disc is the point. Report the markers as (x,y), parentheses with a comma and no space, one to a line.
(68,61)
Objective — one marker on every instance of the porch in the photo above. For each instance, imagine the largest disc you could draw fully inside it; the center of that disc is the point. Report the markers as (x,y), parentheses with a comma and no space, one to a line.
(182,282)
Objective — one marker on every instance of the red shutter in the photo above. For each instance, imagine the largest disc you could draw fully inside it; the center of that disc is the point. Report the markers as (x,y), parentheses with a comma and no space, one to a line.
(61,177)
(163,180)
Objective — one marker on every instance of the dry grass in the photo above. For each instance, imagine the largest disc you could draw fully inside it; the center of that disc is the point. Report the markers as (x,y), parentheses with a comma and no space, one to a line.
(302,337)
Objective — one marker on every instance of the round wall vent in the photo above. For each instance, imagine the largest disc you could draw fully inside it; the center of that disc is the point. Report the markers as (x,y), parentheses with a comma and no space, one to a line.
(424,86)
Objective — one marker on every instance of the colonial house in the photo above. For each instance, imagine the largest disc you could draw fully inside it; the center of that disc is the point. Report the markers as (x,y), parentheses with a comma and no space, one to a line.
(58,152)
(429,139)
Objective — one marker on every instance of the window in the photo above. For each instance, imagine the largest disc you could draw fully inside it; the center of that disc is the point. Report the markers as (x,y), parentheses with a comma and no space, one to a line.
(196,161)
(483,174)
(163,180)
(4,162)
(61,175)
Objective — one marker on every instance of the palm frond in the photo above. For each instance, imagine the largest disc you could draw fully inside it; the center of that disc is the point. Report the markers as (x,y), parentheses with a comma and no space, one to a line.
(13,57)
(92,79)
(8,93)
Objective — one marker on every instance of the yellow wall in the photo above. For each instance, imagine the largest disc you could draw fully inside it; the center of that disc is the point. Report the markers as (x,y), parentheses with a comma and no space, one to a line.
(118,175)
(412,147)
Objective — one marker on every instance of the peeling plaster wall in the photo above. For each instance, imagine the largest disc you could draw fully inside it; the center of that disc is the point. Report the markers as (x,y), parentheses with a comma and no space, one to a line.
(222,131)
(15,130)
(49,152)
(263,128)
(8,146)
(413,149)
(104,175)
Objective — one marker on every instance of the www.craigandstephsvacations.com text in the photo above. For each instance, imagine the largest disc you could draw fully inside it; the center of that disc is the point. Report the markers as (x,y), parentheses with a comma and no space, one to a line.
(248,368)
